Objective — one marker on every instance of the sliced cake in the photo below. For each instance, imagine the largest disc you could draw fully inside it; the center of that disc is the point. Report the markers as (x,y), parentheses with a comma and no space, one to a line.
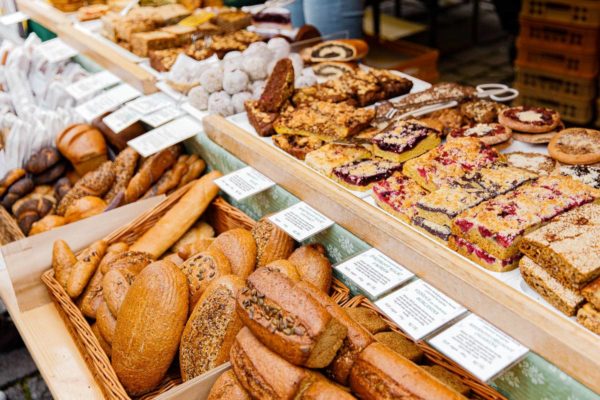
(398,195)
(403,140)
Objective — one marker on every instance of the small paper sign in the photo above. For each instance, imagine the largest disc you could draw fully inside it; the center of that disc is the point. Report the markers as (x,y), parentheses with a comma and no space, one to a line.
(92,84)
(13,18)
(162,116)
(121,119)
(479,347)
(165,136)
(107,101)
(419,309)
(244,183)
(374,272)
(301,221)
(148,104)
(55,50)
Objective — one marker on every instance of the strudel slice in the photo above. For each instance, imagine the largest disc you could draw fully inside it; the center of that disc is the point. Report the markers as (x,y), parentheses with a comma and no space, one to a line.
(569,246)
(499,224)
(450,162)
(361,175)
(398,195)
(327,121)
(403,140)
(332,155)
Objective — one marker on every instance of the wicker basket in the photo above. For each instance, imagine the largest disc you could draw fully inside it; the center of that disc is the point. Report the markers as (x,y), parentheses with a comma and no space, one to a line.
(480,389)
(220,215)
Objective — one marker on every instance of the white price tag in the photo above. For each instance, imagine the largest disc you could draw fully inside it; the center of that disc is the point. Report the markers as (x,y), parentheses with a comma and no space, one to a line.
(374,272)
(13,18)
(301,221)
(165,136)
(55,50)
(244,183)
(419,309)
(121,119)
(479,347)
(107,101)
(162,116)
(92,84)
(148,104)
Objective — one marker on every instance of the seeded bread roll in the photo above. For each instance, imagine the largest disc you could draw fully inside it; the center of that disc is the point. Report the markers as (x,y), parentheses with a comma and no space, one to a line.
(124,168)
(357,339)
(289,321)
(271,243)
(203,268)
(95,183)
(107,322)
(286,268)
(401,345)
(92,297)
(313,266)
(227,387)
(239,247)
(84,268)
(380,373)
(149,327)
(114,288)
(211,329)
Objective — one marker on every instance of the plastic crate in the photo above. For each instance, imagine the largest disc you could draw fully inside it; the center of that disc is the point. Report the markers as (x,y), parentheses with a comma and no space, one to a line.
(536,81)
(561,36)
(579,12)
(550,59)
(571,110)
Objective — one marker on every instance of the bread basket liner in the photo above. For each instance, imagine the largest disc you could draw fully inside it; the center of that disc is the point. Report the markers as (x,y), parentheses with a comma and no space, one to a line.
(479,388)
(221,215)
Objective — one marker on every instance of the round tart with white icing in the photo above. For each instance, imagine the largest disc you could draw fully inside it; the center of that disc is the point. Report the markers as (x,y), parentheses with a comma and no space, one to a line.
(489,134)
(576,146)
(538,163)
(529,119)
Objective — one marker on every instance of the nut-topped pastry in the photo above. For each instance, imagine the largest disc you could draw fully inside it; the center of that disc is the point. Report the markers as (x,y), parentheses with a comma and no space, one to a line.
(362,174)
(398,195)
(403,140)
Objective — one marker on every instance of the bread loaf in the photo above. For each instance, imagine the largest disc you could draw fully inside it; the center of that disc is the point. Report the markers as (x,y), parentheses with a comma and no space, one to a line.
(313,266)
(63,261)
(170,179)
(84,146)
(239,247)
(357,338)
(368,319)
(211,329)
(106,321)
(271,243)
(42,160)
(84,268)
(11,177)
(130,263)
(124,167)
(195,168)
(227,387)
(149,327)
(84,207)
(286,268)
(114,288)
(103,343)
(203,268)
(119,140)
(92,297)
(51,174)
(380,373)
(95,183)
(289,321)
(47,223)
(321,389)
(194,240)
(171,226)
(19,189)
(62,187)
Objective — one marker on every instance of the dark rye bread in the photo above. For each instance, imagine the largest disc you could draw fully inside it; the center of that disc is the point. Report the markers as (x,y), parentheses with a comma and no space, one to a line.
(211,329)
(381,374)
(272,243)
(401,345)
(357,339)
(289,321)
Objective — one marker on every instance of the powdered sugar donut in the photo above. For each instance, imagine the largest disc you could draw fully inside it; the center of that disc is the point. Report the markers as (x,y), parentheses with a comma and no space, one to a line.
(255,67)
(259,49)
(280,47)
(198,97)
(220,103)
(232,60)
(238,100)
(212,79)
(257,88)
(235,81)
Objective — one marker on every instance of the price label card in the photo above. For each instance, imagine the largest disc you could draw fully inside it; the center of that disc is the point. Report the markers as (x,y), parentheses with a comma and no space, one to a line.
(244,183)
(55,50)
(107,101)
(121,119)
(148,104)
(162,116)
(419,309)
(479,347)
(301,221)
(164,136)
(13,18)
(374,272)
(92,84)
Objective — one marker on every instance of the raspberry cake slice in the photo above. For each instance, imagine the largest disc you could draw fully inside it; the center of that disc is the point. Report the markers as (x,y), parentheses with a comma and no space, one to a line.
(475,253)
(332,155)
(450,162)
(398,195)
(361,175)
(403,140)
(439,232)
(498,225)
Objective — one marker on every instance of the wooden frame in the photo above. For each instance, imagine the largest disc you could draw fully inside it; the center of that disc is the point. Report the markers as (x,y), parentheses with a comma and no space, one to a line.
(110,59)
(571,347)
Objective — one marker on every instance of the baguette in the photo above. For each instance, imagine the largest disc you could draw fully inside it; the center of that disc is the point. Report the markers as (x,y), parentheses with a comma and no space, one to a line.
(63,261)
(211,329)
(313,266)
(179,218)
(227,387)
(150,172)
(289,321)
(114,288)
(84,268)
(149,327)
(239,247)
(380,373)
(106,322)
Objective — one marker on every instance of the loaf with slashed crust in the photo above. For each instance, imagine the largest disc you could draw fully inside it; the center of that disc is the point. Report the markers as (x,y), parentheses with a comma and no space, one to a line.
(272,243)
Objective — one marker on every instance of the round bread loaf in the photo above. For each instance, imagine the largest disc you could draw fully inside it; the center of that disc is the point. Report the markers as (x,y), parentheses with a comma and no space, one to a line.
(286,268)
(313,266)
(84,207)
(84,146)
(239,247)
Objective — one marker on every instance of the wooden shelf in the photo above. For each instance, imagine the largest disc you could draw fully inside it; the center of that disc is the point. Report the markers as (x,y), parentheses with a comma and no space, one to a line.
(571,347)
(88,46)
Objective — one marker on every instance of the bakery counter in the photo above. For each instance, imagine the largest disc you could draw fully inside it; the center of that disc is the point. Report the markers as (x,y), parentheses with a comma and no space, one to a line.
(557,339)
(89,46)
